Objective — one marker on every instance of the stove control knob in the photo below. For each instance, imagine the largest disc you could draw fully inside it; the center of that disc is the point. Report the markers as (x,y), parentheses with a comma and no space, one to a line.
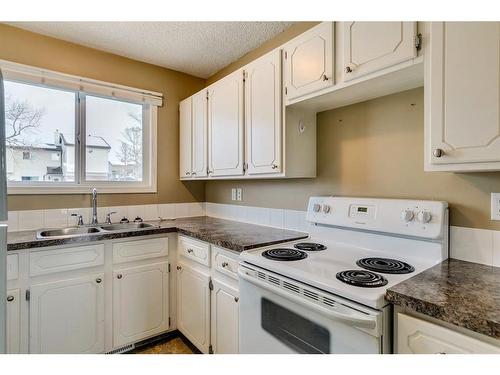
(424,217)
(407,215)
(326,208)
(316,207)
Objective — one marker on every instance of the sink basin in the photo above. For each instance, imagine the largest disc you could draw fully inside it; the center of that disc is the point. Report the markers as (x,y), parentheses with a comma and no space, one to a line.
(125,226)
(67,232)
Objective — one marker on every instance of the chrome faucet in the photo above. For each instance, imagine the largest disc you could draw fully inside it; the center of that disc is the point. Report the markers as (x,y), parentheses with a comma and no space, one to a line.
(94,206)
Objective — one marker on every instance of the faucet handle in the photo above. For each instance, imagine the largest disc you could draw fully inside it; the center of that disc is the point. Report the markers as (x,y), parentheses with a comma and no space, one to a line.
(80,218)
(108,216)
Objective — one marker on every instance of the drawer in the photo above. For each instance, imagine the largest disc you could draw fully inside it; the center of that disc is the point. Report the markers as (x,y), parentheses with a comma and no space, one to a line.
(224,263)
(12,267)
(142,249)
(51,261)
(195,250)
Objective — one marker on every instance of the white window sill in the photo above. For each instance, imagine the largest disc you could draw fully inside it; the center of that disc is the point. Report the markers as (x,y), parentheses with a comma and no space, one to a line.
(106,189)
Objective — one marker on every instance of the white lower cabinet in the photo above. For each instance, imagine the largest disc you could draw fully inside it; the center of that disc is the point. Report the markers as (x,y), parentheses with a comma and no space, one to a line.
(417,336)
(13,321)
(67,316)
(193,305)
(140,302)
(225,318)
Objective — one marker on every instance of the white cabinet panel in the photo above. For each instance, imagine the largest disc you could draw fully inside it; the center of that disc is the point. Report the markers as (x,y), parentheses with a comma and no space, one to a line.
(193,305)
(142,249)
(263,113)
(67,316)
(193,249)
(416,336)
(225,126)
(372,46)
(12,267)
(200,135)
(462,96)
(225,318)
(185,138)
(140,303)
(13,321)
(309,61)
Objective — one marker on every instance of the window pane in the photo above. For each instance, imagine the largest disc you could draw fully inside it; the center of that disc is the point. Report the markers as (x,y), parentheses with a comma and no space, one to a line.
(39,133)
(114,140)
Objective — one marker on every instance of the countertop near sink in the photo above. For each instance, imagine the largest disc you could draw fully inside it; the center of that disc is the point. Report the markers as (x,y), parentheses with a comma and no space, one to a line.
(232,235)
(458,292)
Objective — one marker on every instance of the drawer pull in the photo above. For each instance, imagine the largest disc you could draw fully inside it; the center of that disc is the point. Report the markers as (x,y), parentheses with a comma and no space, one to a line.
(10,298)
(98,280)
(179,268)
(190,251)
(119,276)
(225,264)
(236,299)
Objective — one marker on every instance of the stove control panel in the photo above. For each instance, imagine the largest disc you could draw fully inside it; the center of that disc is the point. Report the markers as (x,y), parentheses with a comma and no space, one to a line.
(424,219)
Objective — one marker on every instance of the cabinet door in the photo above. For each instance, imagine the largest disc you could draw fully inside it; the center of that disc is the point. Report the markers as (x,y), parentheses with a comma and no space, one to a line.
(372,46)
(193,304)
(263,114)
(462,94)
(225,318)
(67,316)
(309,61)
(140,303)
(13,321)
(225,126)
(200,135)
(185,138)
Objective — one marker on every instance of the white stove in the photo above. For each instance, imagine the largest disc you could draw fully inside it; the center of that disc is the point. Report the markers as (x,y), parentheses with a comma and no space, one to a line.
(365,246)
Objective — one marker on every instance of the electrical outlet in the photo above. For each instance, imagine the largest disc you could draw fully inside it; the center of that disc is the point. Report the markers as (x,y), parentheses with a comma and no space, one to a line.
(233,194)
(495,206)
(238,194)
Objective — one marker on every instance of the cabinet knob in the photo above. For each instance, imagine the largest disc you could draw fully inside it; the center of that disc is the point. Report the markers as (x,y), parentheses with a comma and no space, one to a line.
(325,78)
(193,173)
(119,276)
(98,280)
(188,173)
(224,264)
(348,69)
(179,268)
(438,152)
(10,298)
(274,166)
(210,172)
(236,299)
(190,251)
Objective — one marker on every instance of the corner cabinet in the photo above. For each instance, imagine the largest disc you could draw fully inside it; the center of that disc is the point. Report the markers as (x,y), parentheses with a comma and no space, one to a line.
(225,126)
(462,97)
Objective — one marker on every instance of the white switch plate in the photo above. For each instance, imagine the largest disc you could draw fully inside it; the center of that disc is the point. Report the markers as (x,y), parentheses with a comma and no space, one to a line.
(238,194)
(233,194)
(495,206)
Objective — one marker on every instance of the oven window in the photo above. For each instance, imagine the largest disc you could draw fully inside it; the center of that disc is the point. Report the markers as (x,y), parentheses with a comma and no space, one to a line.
(293,330)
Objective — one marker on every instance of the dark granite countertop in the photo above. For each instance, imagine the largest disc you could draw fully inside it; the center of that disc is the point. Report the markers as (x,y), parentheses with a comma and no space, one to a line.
(461,293)
(232,235)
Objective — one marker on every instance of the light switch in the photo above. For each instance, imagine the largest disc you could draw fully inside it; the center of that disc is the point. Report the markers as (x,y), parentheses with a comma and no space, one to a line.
(495,206)
(238,194)
(233,194)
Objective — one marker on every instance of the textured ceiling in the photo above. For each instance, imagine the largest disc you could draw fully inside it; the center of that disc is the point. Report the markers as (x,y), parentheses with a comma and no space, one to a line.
(197,48)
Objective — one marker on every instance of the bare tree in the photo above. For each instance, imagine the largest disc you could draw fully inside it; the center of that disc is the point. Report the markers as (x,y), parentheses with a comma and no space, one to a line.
(130,152)
(20,118)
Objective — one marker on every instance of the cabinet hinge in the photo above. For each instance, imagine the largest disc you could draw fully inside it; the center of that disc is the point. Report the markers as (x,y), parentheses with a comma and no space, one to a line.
(210,350)
(286,55)
(169,270)
(207,95)
(244,76)
(210,285)
(169,321)
(245,167)
(286,90)
(418,41)
(27,296)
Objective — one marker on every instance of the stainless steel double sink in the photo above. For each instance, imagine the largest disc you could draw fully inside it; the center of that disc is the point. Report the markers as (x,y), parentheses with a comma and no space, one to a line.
(95,229)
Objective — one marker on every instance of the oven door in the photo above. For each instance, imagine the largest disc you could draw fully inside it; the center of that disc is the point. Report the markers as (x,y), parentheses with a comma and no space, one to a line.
(276,319)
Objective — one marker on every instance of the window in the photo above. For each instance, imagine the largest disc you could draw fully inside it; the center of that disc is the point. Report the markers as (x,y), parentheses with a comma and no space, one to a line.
(62,138)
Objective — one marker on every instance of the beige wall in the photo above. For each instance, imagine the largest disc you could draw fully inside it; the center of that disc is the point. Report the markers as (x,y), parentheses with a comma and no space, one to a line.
(374,149)
(34,49)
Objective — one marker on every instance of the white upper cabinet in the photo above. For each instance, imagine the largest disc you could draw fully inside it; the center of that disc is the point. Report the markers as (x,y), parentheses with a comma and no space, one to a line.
(185,138)
(372,46)
(200,135)
(309,61)
(462,96)
(225,126)
(263,113)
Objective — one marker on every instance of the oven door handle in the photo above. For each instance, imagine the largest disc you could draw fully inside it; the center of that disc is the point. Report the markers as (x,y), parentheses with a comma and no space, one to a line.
(355,318)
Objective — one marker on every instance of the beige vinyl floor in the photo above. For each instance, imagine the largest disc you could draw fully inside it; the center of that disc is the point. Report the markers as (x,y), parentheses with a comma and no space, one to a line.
(173,346)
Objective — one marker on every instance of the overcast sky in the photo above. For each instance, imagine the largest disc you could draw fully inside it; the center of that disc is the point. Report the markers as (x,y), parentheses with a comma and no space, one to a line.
(105,117)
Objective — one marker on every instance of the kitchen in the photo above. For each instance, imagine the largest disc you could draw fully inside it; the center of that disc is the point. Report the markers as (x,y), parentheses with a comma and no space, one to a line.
(303,187)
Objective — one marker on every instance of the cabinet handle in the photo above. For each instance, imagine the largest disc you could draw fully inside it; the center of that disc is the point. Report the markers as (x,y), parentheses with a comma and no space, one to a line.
(274,166)
(98,280)
(10,298)
(325,78)
(193,173)
(224,264)
(188,173)
(190,251)
(179,268)
(348,69)
(119,276)
(236,299)
(438,152)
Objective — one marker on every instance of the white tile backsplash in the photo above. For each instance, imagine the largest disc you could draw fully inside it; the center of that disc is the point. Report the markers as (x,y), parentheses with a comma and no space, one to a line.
(472,245)
(167,210)
(151,212)
(258,215)
(181,210)
(13,221)
(57,218)
(30,220)
(276,217)
(73,220)
(496,248)
(136,211)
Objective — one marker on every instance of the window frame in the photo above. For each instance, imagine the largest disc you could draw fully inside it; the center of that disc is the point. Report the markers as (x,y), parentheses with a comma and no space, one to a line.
(80,184)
